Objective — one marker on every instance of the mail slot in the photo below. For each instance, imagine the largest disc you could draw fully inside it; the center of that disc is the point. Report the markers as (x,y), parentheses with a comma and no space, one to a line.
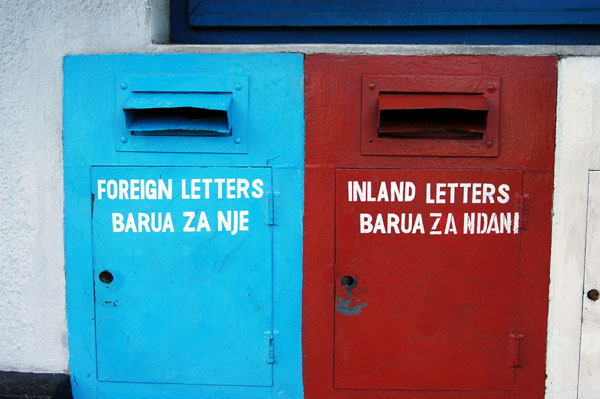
(183,209)
(430,115)
(202,114)
(427,225)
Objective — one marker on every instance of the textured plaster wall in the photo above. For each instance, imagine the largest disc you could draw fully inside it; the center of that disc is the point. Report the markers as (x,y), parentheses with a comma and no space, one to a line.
(34,37)
(577,151)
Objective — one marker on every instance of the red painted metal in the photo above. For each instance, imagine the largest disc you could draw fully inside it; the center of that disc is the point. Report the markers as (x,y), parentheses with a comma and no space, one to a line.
(429,116)
(446,316)
(475,85)
(437,293)
(393,101)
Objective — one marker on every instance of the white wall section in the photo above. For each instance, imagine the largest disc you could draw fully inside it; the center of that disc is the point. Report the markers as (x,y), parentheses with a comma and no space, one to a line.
(577,151)
(34,37)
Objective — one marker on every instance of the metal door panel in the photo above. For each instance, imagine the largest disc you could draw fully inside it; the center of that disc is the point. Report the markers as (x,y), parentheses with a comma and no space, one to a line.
(434,307)
(187,307)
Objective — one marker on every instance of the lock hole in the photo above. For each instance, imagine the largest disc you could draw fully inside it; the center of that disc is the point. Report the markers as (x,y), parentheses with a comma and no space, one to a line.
(348,282)
(106,277)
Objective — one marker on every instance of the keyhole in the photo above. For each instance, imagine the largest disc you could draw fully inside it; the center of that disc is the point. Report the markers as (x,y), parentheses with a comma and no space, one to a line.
(593,294)
(349,282)
(106,277)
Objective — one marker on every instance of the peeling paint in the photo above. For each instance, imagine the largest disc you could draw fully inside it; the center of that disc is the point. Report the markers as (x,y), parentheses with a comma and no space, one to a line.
(343,306)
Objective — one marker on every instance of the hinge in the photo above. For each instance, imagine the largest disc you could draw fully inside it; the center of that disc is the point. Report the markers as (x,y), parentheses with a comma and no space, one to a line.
(270,346)
(514,348)
(271,199)
(522,205)
(93,200)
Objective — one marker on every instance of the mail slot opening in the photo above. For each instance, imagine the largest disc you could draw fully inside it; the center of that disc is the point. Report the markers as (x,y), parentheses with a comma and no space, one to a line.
(432,116)
(178,114)
(185,121)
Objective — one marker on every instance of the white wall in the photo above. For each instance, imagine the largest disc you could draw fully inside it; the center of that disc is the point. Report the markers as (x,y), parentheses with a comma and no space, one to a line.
(34,36)
(577,151)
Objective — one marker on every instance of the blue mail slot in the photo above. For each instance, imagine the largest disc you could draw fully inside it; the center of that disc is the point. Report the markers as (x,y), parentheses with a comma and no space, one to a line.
(172,113)
(203,113)
(183,215)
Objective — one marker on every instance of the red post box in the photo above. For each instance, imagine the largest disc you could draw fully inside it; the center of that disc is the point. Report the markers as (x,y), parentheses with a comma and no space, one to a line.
(428,198)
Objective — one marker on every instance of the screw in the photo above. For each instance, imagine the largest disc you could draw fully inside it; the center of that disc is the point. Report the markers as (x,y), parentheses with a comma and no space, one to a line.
(593,294)
(123,85)
(238,86)
(371,86)
(489,143)
(491,87)
(237,140)
(123,139)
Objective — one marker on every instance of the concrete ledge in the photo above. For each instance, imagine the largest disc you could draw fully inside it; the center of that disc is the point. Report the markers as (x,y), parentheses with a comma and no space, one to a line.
(362,49)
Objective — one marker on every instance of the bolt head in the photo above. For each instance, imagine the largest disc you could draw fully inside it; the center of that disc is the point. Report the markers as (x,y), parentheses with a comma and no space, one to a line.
(489,143)
(123,139)
(371,86)
(123,85)
(238,86)
(491,87)
(237,140)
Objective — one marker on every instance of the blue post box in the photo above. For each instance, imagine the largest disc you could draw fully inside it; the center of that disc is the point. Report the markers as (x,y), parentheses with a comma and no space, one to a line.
(183,225)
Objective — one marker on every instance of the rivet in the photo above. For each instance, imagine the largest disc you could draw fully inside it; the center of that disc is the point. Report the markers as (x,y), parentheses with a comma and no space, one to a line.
(489,143)
(238,86)
(123,139)
(491,87)
(371,86)
(237,140)
(123,85)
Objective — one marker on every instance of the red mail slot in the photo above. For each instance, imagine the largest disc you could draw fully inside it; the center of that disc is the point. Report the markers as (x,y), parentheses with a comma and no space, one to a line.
(421,115)
(432,116)
(428,200)
(393,101)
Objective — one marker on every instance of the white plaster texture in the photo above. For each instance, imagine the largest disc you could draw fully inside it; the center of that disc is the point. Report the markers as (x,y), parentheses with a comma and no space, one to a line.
(577,151)
(34,37)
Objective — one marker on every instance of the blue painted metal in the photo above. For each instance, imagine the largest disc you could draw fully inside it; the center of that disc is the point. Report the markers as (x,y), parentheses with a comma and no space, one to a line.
(391,12)
(386,22)
(192,299)
(208,91)
(149,112)
(188,314)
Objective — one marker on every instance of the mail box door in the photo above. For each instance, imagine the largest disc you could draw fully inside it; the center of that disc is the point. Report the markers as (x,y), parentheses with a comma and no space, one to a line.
(182,274)
(426,279)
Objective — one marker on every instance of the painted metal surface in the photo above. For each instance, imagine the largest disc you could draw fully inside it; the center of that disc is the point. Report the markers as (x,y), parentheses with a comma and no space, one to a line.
(439,316)
(192,288)
(457,107)
(433,21)
(158,305)
(589,376)
(390,13)
(158,113)
(436,254)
